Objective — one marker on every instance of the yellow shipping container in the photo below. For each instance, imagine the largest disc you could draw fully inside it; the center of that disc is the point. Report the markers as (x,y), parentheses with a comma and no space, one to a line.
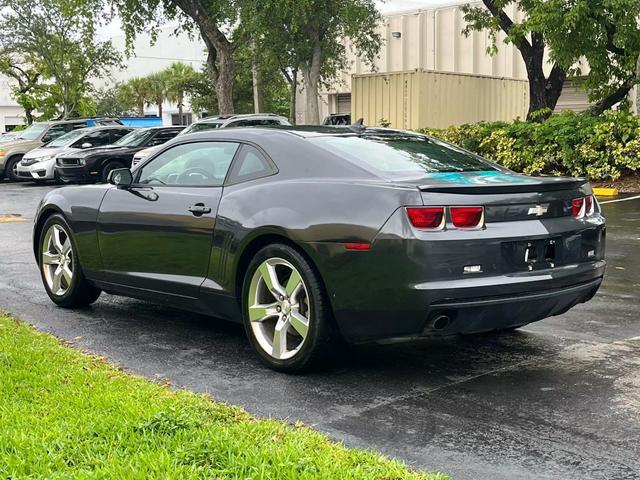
(420,98)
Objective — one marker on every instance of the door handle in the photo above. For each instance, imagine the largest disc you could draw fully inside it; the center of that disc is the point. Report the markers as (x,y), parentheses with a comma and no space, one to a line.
(199,209)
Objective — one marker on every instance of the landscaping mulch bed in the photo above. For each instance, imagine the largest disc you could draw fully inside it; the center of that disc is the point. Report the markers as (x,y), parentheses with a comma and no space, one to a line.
(628,184)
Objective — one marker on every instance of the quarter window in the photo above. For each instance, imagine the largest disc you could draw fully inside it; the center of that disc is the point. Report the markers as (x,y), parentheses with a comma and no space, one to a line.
(249,165)
(198,164)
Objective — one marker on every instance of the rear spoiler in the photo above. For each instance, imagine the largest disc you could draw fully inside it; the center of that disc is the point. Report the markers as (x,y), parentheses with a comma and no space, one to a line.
(545,184)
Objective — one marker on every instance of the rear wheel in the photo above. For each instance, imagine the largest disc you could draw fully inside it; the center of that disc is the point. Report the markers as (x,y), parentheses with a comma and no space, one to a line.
(108,168)
(60,267)
(11,168)
(286,313)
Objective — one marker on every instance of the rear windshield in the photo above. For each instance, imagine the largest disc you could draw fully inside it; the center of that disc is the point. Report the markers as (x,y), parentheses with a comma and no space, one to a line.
(399,156)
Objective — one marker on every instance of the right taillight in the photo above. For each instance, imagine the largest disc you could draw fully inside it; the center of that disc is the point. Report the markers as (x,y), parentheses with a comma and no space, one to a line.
(428,218)
(583,207)
(577,207)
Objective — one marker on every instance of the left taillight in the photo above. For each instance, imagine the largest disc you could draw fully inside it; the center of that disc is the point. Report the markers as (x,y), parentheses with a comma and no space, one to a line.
(426,218)
(435,218)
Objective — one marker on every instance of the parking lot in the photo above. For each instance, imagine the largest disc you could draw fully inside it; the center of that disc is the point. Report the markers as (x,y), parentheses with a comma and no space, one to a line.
(557,399)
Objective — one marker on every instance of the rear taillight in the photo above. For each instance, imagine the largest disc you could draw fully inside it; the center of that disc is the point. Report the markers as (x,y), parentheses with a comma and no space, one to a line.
(434,218)
(577,207)
(429,218)
(466,217)
(583,207)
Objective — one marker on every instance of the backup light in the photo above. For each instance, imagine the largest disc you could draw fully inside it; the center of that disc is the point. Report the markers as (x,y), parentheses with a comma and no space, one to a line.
(428,218)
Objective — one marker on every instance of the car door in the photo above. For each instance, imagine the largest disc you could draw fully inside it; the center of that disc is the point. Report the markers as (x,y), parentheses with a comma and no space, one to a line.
(157,234)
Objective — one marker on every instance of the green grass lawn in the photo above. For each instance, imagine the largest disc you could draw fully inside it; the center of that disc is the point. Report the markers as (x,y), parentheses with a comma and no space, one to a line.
(64,414)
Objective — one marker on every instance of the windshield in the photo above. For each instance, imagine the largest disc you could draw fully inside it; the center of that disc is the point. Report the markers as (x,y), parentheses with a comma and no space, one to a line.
(137,138)
(403,156)
(33,132)
(201,127)
(66,139)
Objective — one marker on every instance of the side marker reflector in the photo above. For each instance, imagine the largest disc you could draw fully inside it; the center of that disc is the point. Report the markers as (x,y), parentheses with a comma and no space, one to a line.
(357,246)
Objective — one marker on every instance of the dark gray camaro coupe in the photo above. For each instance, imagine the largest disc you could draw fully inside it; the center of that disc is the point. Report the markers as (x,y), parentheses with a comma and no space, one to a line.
(312,234)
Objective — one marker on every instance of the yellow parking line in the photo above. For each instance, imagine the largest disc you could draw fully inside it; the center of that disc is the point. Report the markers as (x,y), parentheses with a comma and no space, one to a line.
(11,218)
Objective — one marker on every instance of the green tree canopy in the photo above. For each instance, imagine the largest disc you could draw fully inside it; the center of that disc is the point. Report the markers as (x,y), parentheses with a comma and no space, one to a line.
(603,32)
(57,39)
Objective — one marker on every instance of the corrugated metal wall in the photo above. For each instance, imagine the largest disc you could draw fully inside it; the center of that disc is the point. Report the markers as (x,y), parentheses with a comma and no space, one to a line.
(418,99)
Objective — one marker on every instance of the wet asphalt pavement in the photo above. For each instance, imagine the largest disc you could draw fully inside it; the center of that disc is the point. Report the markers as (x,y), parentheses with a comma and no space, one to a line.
(558,399)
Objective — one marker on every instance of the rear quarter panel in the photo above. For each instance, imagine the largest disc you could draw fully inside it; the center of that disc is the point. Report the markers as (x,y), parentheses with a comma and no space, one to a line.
(313,213)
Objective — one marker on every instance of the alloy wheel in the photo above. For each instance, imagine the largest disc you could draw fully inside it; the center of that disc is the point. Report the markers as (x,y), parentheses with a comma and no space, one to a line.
(278,307)
(57,260)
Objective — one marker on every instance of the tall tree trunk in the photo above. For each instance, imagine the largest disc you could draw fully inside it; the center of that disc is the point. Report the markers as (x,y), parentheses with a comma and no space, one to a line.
(256,73)
(311,75)
(141,108)
(159,103)
(180,110)
(294,96)
(224,84)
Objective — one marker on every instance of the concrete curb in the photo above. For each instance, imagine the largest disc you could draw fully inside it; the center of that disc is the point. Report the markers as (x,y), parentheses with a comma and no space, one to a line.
(605,192)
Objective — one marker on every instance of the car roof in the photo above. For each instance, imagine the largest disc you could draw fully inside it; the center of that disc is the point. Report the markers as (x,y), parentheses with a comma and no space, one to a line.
(238,116)
(301,132)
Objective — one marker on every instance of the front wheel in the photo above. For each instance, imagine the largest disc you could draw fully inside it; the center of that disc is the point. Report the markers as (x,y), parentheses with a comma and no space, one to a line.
(286,312)
(60,267)
(11,169)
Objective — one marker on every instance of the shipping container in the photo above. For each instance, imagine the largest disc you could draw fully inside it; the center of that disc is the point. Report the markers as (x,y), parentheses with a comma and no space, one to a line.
(421,98)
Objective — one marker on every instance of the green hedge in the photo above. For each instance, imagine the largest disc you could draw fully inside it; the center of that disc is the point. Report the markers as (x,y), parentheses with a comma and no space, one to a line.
(565,144)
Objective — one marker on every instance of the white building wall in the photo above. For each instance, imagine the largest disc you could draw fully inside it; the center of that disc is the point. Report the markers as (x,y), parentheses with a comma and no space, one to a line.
(149,58)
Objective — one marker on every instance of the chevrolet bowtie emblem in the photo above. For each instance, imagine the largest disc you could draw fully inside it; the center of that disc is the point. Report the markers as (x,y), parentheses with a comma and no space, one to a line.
(538,210)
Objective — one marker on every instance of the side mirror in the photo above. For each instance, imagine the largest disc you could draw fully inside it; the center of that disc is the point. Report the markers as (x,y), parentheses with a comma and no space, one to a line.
(86,145)
(46,138)
(121,177)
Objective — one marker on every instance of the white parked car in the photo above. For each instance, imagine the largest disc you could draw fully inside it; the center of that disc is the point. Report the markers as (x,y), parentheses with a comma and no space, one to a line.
(38,164)
(221,121)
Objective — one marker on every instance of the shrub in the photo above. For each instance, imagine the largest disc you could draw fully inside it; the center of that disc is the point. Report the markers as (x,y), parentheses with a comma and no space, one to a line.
(565,144)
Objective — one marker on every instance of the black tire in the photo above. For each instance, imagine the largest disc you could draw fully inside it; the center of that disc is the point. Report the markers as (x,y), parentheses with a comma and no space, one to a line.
(9,168)
(80,292)
(106,170)
(323,337)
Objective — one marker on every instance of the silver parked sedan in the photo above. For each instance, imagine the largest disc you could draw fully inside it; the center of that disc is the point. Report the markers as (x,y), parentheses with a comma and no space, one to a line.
(38,164)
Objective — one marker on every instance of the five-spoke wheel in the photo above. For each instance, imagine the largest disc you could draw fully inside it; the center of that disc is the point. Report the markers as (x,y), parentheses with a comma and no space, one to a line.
(57,260)
(286,313)
(60,267)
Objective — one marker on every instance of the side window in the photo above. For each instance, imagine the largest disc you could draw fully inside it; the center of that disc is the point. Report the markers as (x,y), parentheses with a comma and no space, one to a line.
(96,139)
(161,137)
(197,164)
(249,165)
(54,132)
(118,134)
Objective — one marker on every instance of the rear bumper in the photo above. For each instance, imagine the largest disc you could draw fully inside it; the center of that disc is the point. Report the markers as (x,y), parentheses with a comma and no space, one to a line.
(406,280)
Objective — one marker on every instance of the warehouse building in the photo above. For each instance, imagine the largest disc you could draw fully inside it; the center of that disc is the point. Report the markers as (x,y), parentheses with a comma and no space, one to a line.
(431,40)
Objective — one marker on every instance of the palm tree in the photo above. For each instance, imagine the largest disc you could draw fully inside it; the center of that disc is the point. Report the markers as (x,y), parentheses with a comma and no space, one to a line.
(179,77)
(157,90)
(135,93)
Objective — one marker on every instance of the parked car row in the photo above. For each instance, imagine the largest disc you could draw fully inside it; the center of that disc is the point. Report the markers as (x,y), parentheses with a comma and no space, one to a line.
(87,150)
